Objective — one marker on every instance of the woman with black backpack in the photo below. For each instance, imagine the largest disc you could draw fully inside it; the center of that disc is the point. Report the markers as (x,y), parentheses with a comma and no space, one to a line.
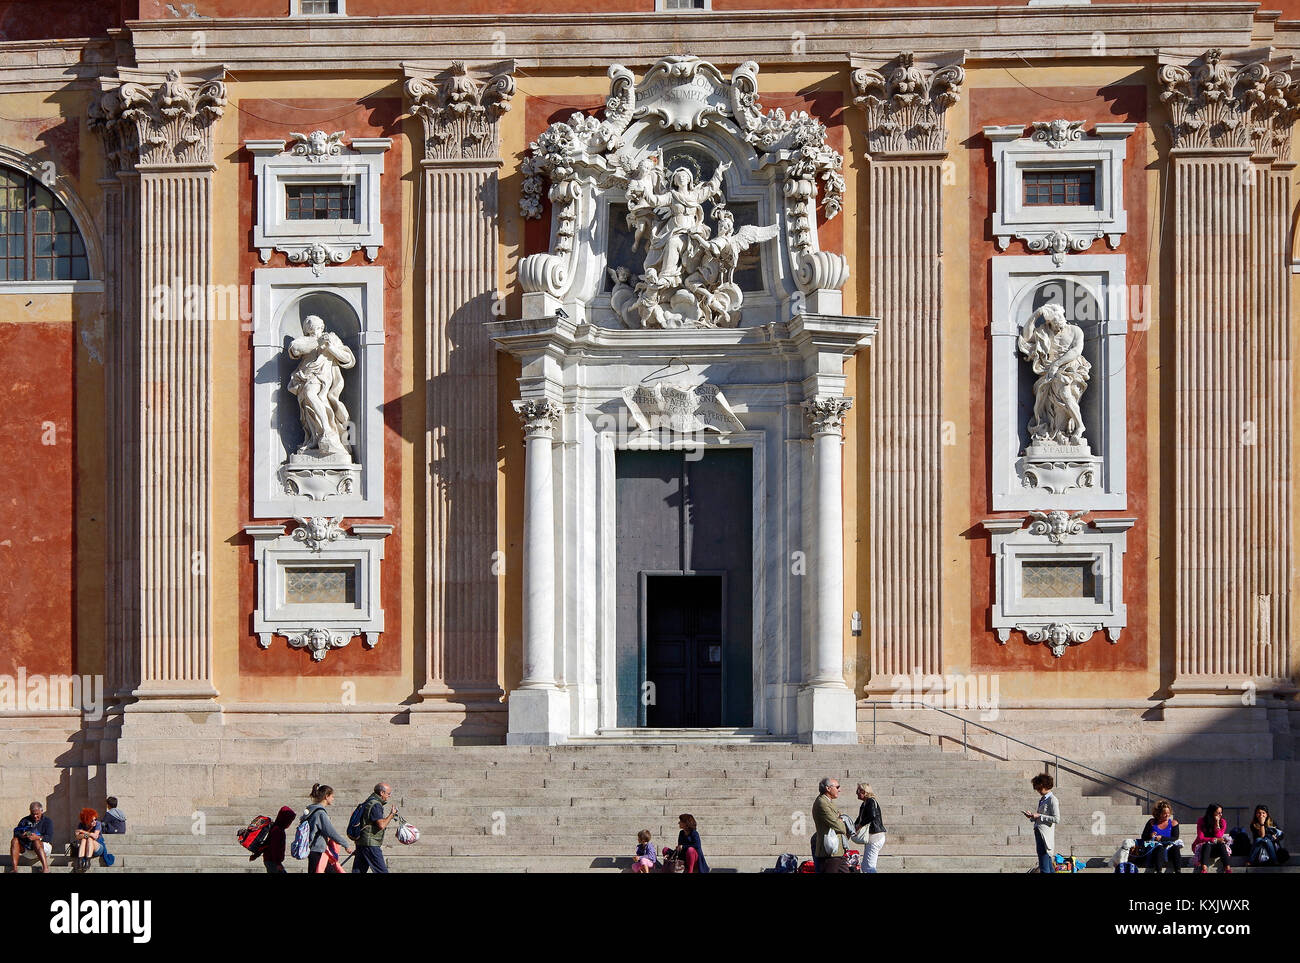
(325,839)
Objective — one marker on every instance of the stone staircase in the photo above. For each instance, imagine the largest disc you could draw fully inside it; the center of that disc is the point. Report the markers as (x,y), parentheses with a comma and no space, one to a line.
(578,808)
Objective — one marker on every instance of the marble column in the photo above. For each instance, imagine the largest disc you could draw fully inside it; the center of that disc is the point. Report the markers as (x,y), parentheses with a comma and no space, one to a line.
(459,174)
(905,104)
(827,708)
(538,709)
(158,137)
(1230,130)
(826,421)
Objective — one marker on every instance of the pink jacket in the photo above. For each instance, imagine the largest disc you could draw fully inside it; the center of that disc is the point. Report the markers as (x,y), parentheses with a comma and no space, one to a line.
(1202,839)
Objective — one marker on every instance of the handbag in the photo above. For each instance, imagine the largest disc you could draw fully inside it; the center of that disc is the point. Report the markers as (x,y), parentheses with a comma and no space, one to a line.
(830,841)
(672,864)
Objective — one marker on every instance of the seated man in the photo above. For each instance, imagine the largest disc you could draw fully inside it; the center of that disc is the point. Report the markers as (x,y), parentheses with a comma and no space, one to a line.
(32,838)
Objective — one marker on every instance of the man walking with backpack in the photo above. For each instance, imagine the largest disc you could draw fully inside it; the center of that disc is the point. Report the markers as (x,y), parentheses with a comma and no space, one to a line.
(367,827)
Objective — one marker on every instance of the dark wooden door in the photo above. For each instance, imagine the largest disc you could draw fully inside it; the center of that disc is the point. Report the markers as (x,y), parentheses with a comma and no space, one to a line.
(684,638)
(680,515)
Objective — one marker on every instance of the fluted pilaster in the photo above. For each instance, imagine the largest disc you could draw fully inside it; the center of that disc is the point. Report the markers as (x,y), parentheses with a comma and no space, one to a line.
(158,142)
(462,566)
(1231,181)
(906,106)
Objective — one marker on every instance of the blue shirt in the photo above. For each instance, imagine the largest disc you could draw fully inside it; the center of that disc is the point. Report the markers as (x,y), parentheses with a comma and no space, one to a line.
(42,827)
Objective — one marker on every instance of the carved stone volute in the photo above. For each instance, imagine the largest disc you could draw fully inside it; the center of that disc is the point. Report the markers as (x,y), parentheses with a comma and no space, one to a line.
(460,113)
(1219,101)
(169,123)
(906,104)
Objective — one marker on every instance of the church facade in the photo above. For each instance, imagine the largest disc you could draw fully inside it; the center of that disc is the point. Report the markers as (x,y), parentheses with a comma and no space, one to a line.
(513,375)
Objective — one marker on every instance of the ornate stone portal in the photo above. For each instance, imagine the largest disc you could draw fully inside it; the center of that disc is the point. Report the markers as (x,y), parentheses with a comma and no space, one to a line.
(683,263)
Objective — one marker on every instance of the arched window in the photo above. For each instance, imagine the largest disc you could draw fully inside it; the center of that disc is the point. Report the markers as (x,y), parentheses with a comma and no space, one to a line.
(39,240)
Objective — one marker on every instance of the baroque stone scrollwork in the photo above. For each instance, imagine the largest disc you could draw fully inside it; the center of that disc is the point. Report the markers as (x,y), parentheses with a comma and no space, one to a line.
(317,531)
(1057,525)
(1058,581)
(826,414)
(317,255)
(538,416)
(1217,101)
(1059,243)
(166,123)
(1057,636)
(460,113)
(317,144)
(318,641)
(1057,133)
(681,408)
(687,272)
(906,104)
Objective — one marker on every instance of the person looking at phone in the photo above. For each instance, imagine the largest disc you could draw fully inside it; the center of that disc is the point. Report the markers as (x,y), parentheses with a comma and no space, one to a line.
(1044,820)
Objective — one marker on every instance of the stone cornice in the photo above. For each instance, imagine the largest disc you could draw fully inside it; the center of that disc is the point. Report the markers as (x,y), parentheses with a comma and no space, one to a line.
(640,39)
(906,102)
(1247,100)
(459,112)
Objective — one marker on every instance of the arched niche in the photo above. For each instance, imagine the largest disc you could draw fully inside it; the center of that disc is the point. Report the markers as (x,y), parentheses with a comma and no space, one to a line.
(1082,306)
(1093,291)
(341,318)
(349,300)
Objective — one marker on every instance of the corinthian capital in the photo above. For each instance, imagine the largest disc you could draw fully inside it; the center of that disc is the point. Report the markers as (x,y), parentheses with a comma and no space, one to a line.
(906,103)
(460,113)
(826,414)
(1225,101)
(158,123)
(538,416)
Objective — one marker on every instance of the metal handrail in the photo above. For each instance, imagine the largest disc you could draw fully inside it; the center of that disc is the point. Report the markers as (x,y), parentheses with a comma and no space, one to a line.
(1056,756)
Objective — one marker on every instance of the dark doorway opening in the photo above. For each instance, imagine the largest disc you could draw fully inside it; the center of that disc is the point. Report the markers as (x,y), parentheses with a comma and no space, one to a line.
(684,641)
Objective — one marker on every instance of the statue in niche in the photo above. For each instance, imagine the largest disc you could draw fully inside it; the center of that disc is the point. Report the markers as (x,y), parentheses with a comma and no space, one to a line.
(688,273)
(317,382)
(1054,350)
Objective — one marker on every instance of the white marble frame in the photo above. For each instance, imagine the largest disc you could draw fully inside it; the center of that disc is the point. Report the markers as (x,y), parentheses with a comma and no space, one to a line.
(1102,545)
(606,560)
(1014,279)
(362,548)
(276,289)
(1014,154)
(749,181)
(361,164)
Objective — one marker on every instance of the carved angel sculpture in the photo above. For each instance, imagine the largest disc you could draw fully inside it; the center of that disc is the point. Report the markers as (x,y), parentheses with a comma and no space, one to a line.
(679,229)
(318,384)
(713,282)
(1054,349)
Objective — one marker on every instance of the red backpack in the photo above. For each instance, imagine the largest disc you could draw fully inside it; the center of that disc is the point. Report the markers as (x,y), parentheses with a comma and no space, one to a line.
(254,837)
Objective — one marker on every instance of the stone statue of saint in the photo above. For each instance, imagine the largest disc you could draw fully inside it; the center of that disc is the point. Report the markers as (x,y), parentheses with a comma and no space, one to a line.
(318,384)
(679,230)
(1054,349)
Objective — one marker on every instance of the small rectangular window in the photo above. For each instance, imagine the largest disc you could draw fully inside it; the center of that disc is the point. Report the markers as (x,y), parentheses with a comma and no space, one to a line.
(307,586)
(683,5)
(317,8)
(1057,580)
(1059,188)
(320,202)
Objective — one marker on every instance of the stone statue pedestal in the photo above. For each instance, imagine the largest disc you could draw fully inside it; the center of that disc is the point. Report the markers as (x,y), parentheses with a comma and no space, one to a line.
(320,476)
(1054,468)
